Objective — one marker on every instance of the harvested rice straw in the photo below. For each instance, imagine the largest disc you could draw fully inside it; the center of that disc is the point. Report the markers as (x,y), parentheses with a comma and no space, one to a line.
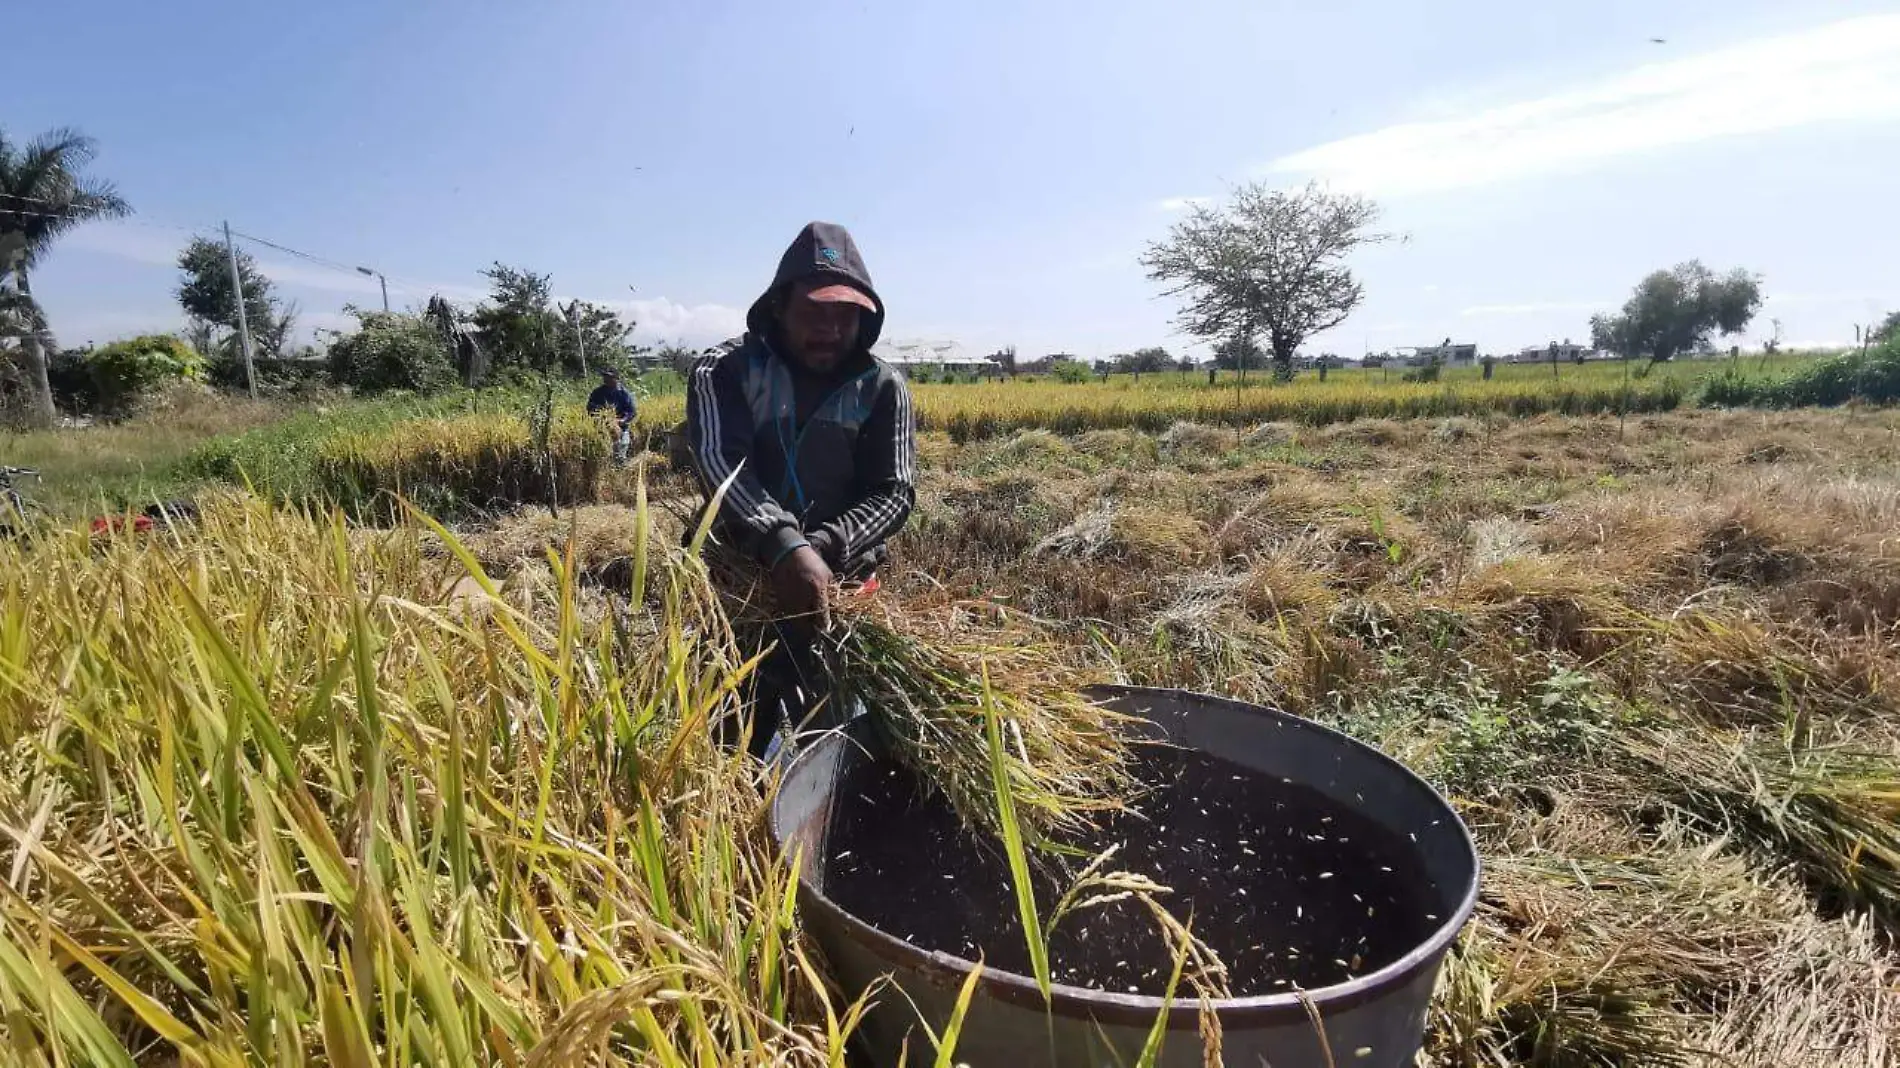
(1068,756)
(922,678)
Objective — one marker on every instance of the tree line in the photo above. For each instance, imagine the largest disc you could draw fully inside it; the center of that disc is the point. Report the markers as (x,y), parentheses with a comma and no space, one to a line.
(519,330)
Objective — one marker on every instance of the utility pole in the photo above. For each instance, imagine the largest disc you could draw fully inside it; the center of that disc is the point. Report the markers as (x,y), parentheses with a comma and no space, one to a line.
(244,326)
(381,279)
(580,343)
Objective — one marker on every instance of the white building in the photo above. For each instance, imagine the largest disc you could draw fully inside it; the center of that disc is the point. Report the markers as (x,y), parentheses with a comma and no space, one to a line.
(1565,353)
(939,356)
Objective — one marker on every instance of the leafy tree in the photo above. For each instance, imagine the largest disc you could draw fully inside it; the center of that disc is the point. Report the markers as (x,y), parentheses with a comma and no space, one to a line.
(604,333)
(1888,329)
(1237,354)
(1144,361)
(42,196)
(124,372)
(205,291)
(518,326)
(677,358)
(1270,263)
(1677,311)
(391,351)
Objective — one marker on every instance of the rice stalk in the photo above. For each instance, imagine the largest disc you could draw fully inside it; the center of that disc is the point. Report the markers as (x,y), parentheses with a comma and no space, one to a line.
(1065,759)
(265,804)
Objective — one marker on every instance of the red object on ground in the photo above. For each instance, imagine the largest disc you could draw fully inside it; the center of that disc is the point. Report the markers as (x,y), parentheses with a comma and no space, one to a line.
(866,588)
(112,524)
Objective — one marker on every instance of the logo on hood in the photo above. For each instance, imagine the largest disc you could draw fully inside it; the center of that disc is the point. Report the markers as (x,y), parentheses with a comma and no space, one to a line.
(828,254)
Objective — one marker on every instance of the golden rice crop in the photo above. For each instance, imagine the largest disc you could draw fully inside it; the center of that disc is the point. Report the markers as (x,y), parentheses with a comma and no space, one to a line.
(990,409)
(474,459)
(280,792)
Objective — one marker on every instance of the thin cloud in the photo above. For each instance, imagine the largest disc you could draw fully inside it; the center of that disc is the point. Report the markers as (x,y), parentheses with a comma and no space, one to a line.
(1844,72)
(1825,298)
(1533,308)
(1182,203)
(659,318)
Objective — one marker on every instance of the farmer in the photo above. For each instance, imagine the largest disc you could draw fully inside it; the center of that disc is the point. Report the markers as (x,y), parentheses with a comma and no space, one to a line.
(610,394)
(815,436)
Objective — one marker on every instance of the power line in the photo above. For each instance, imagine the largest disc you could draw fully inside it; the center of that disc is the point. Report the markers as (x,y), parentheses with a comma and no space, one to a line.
(208,233)
(300,254)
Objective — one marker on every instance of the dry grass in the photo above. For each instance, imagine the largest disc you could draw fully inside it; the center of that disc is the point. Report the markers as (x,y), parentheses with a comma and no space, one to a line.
(1658,670)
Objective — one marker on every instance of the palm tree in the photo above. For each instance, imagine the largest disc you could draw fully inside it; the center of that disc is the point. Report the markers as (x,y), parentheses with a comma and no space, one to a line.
(43,195)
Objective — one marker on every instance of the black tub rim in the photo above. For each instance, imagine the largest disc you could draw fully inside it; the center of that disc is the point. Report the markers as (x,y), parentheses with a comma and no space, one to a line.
(1259,1010)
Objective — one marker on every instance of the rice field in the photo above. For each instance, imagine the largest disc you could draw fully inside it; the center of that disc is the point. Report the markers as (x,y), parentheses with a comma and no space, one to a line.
(289,787)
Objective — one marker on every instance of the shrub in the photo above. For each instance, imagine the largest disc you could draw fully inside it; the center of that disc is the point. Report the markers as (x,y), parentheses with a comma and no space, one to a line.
(125,372)
(224,368)
(71,379)
(1069,372)
(1872,376)
(391,351)
(1733,388)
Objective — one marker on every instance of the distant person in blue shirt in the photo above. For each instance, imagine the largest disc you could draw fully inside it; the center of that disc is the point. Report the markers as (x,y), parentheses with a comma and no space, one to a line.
(610,394)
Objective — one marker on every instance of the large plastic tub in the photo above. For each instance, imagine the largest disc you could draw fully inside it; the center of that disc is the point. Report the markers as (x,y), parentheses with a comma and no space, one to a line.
(1376,1020)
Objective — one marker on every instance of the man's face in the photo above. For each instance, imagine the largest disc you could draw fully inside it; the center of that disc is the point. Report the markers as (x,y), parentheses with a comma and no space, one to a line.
(819,335)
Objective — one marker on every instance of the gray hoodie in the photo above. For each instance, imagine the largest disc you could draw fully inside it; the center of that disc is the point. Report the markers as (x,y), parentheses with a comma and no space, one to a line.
(822,460)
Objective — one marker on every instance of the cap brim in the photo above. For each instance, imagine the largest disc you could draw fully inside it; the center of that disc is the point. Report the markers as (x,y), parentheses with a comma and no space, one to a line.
(842,294)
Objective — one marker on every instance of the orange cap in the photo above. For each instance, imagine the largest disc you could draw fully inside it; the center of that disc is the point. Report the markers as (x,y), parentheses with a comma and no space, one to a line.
(842,294)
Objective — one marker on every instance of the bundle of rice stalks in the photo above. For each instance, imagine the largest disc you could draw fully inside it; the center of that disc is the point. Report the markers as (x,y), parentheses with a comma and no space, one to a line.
(1606,959)
(1737,671)
(1121,448)
(1132,533)
(1194,439)
(1204,640)
(1831,812)
(935,682)
(935,689)
(1827,997)
(1547,602)
(1503,1001)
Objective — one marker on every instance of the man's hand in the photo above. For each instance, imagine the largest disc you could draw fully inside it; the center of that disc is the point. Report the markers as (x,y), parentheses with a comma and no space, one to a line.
(802,583)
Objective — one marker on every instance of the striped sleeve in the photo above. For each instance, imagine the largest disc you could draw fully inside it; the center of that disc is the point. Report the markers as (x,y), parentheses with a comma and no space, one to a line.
(887,471)
(719,428)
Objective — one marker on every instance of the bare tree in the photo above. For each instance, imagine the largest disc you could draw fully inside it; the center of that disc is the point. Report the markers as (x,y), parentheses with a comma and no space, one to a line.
(1268,265)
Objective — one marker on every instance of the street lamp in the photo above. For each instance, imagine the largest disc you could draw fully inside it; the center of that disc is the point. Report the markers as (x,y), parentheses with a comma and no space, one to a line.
(379,277)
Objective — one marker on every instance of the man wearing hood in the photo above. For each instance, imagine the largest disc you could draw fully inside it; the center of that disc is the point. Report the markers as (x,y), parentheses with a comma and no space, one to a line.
(816,437)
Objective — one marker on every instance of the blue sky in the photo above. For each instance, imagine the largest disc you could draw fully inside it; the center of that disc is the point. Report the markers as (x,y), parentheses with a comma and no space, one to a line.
(1002,164)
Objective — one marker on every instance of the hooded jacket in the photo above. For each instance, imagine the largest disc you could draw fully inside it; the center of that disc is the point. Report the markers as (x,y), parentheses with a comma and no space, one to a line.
(821,460)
